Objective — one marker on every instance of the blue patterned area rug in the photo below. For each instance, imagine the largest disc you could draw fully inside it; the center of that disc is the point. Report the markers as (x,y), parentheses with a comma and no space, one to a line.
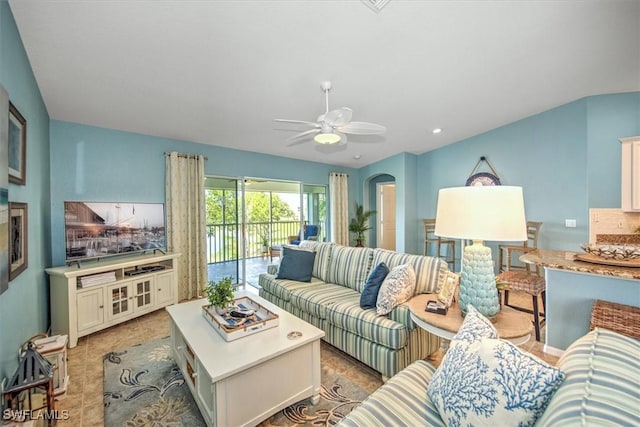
(144,387)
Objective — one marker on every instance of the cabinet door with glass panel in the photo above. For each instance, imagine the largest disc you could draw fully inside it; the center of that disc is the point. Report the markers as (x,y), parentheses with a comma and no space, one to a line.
(143,293)
(128,297)
(119,300)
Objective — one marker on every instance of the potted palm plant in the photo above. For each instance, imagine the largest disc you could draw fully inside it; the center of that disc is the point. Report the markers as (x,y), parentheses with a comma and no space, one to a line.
(360,223)
(220,294)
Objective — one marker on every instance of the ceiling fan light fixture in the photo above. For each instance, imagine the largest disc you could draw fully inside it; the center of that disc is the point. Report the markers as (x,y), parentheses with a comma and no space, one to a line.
(327,138)
(333,126)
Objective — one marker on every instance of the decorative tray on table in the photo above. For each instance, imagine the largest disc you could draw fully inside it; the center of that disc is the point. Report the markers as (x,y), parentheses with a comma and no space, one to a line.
(247,317)
(617,255)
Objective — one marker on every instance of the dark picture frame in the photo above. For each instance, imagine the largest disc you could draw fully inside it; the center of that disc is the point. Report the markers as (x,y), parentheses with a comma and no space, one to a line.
(18,238)
(17,146)
(4,191)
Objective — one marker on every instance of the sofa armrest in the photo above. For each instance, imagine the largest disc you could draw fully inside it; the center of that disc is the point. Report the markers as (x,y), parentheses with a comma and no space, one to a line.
(272,269)
(600,388)
(402,314)
(403,400)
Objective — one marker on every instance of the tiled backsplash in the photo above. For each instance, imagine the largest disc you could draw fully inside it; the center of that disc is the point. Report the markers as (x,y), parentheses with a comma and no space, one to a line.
(611,221)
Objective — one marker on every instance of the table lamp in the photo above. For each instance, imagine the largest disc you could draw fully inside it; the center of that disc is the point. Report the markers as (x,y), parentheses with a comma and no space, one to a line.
(480,213)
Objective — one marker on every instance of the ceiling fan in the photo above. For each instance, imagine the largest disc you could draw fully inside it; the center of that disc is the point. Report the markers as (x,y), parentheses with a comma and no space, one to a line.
(332,126)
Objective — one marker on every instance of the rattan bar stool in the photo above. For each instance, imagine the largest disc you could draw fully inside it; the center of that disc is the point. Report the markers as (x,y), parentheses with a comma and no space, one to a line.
(506,252)
(621,318)
(527,282)
(431,239)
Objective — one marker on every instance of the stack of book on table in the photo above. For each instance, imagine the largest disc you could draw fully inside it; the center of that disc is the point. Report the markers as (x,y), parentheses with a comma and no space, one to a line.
(97,279)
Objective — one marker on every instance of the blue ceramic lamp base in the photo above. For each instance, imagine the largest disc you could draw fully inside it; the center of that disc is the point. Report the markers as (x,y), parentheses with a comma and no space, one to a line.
(478,283)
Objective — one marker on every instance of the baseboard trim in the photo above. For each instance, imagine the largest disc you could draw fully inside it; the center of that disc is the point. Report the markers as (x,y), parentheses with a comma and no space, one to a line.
(552,350)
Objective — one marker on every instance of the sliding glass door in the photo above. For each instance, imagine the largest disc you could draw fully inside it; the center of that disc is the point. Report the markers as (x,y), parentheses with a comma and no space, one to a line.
(314,202)
(246,217)
(223,228)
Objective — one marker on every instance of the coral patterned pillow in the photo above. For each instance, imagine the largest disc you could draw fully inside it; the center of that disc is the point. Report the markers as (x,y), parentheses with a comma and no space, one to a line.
(397,287)
(474,327)
(491,382)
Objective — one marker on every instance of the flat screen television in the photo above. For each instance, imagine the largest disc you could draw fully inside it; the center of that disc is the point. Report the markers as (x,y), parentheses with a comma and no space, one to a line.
(101,229)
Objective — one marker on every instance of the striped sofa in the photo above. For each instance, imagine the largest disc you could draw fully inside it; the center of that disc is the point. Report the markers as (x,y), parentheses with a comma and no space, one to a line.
(331,302)
(601,388)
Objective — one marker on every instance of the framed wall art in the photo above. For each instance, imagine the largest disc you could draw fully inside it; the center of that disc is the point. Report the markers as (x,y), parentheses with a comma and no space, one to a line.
(18,254)
(17,146)
(4,192)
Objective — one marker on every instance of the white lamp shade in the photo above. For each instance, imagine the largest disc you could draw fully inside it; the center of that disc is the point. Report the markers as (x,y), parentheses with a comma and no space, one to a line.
(488,213)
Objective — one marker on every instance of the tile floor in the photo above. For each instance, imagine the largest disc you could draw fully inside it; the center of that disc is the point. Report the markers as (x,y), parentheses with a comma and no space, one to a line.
(84,396)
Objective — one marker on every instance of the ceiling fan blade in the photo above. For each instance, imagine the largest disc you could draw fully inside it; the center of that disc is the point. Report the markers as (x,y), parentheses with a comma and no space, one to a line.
(343,138)
(339,117)
(362,128)
(301,134)
(302,122)
(298,141)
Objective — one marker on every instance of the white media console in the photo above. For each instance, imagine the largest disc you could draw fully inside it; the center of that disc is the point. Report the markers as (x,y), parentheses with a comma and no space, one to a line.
(99,294)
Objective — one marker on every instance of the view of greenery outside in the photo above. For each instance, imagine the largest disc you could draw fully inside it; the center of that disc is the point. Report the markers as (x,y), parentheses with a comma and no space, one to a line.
(221,206)
(270,220)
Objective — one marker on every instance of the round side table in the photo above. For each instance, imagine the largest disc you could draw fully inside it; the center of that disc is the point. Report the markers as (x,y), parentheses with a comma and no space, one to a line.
(511,324)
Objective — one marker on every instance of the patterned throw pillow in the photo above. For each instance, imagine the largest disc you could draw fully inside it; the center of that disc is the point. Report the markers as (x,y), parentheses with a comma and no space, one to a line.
(474,327)
(397,287)
(488,381)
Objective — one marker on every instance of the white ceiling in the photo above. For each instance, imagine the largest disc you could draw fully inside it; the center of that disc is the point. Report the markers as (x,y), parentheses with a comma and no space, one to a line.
(219,72)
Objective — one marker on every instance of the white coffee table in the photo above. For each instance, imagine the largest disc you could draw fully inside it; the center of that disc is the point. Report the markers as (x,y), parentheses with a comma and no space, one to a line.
(244,382)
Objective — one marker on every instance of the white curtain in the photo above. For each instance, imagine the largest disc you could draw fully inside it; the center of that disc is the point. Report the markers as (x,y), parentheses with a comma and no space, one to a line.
(186,221)
(338,192)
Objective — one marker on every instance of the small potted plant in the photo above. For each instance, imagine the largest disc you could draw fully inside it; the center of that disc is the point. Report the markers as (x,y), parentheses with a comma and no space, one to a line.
(360,224)
(220,294)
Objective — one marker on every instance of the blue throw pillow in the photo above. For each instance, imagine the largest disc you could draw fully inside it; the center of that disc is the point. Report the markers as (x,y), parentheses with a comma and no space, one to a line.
(369,294)
(296,264)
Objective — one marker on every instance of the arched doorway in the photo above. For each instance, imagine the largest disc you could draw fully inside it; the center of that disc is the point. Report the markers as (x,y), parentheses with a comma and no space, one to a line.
(382,199)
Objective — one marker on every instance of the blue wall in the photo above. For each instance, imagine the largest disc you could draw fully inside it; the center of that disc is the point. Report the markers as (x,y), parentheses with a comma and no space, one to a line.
(566,159)
(403,167)
(24,307)
(109,165)
(568,312)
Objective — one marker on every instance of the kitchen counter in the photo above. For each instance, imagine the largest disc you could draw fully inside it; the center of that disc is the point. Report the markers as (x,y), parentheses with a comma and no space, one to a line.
(564,260)
(571,288)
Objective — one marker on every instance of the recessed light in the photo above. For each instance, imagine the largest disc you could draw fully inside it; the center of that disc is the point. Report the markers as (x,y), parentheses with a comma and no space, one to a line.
(357,157)
(436,130)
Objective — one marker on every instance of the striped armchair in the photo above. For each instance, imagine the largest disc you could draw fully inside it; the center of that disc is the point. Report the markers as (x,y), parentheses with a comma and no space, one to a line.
(602,370)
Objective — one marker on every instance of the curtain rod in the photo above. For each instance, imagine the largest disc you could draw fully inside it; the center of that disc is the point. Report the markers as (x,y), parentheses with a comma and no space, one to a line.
(189,156)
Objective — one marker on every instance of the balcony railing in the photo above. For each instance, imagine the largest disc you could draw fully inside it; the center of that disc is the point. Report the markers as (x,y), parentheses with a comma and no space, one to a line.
(222,239)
